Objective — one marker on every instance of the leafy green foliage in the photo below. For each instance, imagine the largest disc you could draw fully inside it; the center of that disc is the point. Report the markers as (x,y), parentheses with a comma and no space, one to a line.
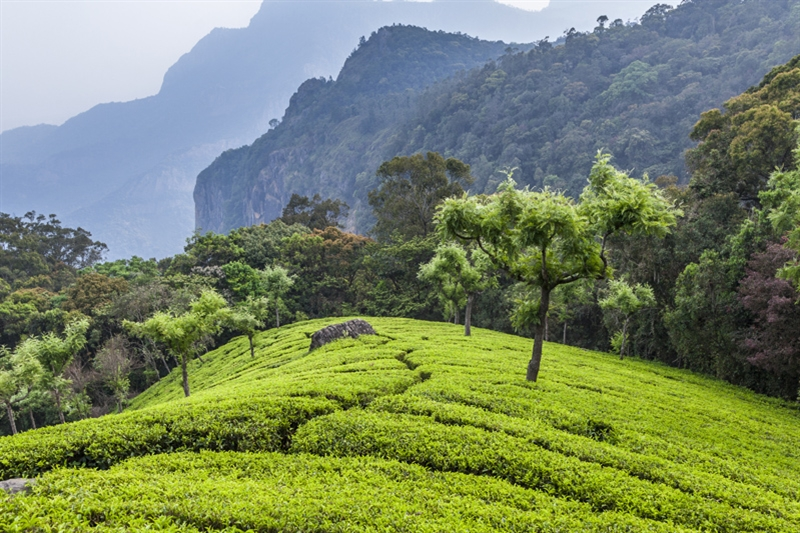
(781,201)
(458,278)
(742,147)
(544,239)
(409,190)
(418,413)
(314,213)
(184,334)
(622,302)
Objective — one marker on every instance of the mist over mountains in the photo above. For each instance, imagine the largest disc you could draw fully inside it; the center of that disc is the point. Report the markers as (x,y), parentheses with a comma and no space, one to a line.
(634,90)
(126,171)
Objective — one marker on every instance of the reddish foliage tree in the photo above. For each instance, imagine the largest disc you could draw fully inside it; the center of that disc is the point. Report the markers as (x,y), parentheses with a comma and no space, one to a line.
(773,338)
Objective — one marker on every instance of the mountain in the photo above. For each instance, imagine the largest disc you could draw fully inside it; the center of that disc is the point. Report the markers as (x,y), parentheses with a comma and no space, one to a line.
(125,170)
(329,126)
(417,428)
(635,90)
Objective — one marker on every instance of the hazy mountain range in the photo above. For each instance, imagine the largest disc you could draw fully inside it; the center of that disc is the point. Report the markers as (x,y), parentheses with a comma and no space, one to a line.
(126,171)
(635,90)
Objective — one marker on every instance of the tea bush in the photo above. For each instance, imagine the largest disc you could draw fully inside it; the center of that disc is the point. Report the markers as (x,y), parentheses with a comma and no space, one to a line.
(417,428)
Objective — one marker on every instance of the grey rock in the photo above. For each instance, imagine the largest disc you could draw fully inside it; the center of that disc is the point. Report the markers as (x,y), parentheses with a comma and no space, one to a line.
(13,486)
(351,328)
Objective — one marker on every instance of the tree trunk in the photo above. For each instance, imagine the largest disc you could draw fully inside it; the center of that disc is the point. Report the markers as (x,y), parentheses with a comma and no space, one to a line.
(277,316)
(57,396)
(455,316)
(564,338)
(546,329)
(252,349)
(468,316)
(624,337)
(33,420)
(185,374)
(538,338)
(10,413)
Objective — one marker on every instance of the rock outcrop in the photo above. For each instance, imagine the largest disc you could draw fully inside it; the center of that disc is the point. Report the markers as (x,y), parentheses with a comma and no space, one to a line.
(351,328)
(15,485)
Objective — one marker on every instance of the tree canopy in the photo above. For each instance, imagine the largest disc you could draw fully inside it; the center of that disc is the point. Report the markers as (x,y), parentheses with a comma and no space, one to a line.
(545,239)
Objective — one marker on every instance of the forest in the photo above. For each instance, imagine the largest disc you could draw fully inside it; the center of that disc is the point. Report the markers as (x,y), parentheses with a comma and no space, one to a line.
(703,277)
(634,89)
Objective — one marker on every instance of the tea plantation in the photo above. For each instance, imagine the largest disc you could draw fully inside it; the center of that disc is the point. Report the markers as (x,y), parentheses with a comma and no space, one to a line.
(416,429)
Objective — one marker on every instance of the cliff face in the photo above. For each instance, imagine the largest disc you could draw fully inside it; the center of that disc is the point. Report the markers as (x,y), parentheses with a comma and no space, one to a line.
(221,94)
(635,90)
(332,127)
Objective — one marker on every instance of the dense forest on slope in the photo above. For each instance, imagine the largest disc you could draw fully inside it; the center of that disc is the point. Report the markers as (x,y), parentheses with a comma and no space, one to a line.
(716,295)
(634,89)
(127,169)
(417,428)
(376,87)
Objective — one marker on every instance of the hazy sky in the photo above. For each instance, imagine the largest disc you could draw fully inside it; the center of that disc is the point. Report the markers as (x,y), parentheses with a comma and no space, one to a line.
(61,57)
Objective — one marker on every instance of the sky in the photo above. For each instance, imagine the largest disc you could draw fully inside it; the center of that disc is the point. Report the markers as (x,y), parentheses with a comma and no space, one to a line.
(61,57)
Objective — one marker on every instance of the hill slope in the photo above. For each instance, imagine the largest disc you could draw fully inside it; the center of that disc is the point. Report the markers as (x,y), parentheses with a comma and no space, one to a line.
(125,170)
(417,429)
(635,90)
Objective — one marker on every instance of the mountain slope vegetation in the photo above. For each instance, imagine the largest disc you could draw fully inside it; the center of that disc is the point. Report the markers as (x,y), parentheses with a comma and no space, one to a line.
(125,170)
(417,428)
(634,89)
(336,121)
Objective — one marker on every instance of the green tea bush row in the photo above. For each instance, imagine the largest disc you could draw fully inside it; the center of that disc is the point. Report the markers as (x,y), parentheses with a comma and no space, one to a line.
(274,492)
(422,441)
(252,424)
(649,468)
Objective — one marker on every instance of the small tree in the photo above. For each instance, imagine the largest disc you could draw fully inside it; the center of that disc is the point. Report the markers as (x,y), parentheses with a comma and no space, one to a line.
(567,299)
(459,276)
(55,354)
(114,363)
(248,317)
(622,302)
(545,240)
(183,334)
(20,371)
(277,283)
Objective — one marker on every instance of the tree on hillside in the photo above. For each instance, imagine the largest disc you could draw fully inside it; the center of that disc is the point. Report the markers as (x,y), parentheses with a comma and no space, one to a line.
(622,302)
(410,189)
(114,362)
(20,371)
(56,353)
(773,339)
(92,291)
(314,213)
(566,300)
(781,203)
(329,264)
(545,239)
(183,334)
(741,147)
(277,283)
(248,318)
(459,276)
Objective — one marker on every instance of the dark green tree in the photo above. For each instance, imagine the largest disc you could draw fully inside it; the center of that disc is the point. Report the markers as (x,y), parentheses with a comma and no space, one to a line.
(410,189)
(314,213)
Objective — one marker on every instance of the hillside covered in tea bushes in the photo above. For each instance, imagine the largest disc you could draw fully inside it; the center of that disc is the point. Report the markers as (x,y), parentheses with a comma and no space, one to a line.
(417,428)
